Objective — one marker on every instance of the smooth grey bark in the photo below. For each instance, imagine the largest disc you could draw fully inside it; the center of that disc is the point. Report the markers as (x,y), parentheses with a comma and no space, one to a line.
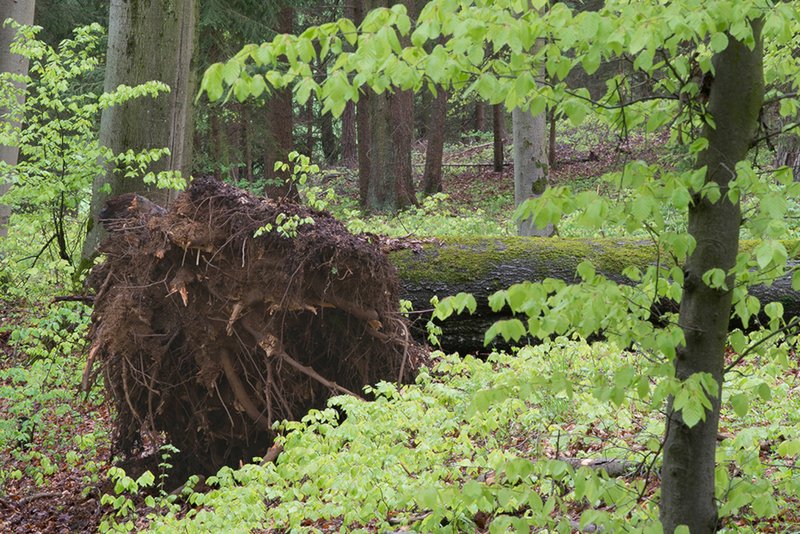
(147,40)
(687,475)
(22,12)
(530,164)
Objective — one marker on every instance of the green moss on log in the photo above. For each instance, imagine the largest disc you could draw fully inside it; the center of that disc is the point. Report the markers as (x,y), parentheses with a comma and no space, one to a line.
(462,259)
(452,260)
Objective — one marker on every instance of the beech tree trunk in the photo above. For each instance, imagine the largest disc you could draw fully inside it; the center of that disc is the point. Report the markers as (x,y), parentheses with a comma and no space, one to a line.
(687,475)
(140,31)
(530,164)
(22,12)
(432,176)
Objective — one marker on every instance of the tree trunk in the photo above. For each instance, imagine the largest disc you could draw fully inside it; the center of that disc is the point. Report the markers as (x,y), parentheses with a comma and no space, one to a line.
(349,142)
(247,144)
(280,127)
(530,164)
(22,12)
(687,475)
(481,266)
(217,147)
(330,149)
(139,33)
(364,145)
(432,177)
(551,144)
(480,116)
(308,119)
(788,153)
(349,136)
(499,130)
(390,181)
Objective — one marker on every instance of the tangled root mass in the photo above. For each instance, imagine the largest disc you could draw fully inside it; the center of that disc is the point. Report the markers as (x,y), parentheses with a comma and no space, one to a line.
(207,335)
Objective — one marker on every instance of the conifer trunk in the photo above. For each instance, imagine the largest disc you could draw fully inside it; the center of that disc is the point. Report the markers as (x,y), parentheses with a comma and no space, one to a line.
(432,176)
(687,488)
(280,126)
(499,132)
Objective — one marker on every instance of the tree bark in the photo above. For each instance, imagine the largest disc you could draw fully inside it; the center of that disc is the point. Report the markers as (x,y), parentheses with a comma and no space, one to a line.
(480,116)
(280,127)
(481,266)
(432,176)
(530,162)
(22,12)
(687,475)
(391,114)
(349,136)
(139,33)
(499,131)
(787,153)
(551,143)
(330,150)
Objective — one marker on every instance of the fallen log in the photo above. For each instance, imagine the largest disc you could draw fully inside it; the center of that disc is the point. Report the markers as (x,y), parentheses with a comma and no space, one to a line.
(483,265)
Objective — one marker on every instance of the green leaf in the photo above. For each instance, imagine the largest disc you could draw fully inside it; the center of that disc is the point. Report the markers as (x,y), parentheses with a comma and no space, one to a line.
(427,498)
(230,71)
(740,403)
(789,447)
(719,42)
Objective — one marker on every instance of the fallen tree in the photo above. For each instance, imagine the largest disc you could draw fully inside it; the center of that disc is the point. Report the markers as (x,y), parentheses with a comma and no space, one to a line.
(484,265)
(207,334)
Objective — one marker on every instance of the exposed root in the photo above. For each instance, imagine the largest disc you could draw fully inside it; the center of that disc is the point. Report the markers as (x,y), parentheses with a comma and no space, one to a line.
(208,335)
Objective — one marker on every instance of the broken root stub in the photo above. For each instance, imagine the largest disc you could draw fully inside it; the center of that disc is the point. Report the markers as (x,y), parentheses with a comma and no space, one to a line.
(209,335)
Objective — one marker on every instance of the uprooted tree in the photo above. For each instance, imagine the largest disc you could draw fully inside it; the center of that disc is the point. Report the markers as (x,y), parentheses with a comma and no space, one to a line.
(227,313)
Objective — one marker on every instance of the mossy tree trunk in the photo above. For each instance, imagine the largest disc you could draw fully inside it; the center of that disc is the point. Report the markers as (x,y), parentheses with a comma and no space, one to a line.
(687,475)
(22,12)
(481,266)
(147,40)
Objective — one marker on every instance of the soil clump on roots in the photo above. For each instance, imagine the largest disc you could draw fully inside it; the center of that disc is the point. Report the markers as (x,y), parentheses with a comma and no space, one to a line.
(207,335)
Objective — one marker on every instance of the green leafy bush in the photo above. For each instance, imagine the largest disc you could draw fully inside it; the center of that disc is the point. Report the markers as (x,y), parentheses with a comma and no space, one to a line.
(59,152)
(480,444)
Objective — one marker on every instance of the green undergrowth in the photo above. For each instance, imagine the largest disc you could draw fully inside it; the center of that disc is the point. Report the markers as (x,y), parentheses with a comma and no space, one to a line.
(46,425)
(479,445)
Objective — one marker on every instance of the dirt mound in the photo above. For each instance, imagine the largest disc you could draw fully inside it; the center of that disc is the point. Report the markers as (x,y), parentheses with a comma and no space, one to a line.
(207,335)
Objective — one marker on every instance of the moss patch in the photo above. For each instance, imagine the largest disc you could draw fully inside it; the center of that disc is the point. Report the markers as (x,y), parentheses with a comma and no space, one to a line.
(461,259)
